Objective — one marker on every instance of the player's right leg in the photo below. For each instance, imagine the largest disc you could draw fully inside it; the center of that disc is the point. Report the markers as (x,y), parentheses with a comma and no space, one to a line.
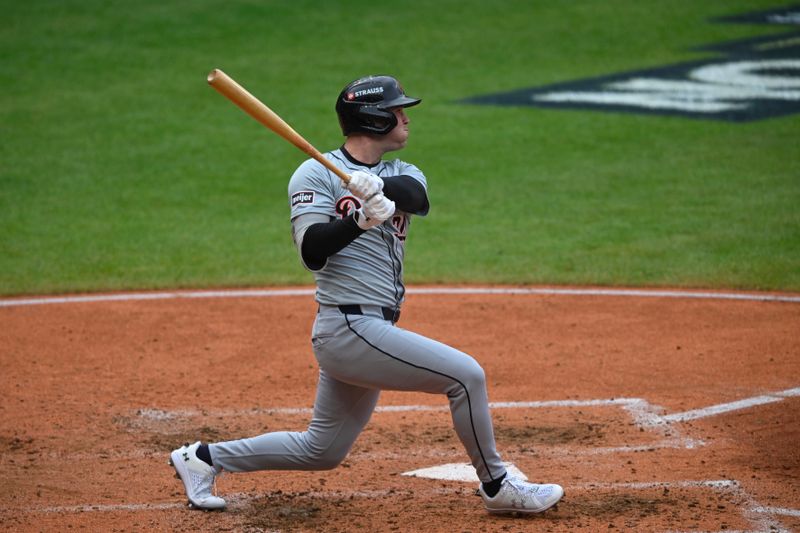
(378,354)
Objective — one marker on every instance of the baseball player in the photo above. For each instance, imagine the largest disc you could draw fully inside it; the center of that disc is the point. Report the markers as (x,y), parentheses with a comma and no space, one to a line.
(352,238)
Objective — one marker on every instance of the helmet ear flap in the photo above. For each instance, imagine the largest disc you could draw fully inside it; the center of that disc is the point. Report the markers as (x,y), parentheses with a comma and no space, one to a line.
(376,120)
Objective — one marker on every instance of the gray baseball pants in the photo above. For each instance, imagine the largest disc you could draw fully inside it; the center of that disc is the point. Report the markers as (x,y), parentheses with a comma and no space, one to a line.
(358,356)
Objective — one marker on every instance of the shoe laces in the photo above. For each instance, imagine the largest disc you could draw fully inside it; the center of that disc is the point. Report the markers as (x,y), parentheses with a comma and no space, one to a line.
(205,482)
(217,474)
(523,487)
(201,482)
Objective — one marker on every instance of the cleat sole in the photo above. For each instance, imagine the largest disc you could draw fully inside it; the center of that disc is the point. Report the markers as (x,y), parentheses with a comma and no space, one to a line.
(194,507)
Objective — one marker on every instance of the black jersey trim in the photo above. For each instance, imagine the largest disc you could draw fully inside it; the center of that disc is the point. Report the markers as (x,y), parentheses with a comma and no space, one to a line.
(355,161)
(345,163)
(349,162)
(466,391)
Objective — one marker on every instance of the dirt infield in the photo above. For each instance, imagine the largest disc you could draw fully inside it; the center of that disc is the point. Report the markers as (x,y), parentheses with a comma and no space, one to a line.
(656,413)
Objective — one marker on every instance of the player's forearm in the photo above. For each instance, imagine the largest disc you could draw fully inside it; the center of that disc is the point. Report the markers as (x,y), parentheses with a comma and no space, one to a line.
(407,193)
(324,239)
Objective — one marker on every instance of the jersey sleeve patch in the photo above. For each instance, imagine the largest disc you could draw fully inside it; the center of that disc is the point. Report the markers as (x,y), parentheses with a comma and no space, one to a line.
(302,197)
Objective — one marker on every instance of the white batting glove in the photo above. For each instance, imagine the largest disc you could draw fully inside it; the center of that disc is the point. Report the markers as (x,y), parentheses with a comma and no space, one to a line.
(364,184)
(375,211)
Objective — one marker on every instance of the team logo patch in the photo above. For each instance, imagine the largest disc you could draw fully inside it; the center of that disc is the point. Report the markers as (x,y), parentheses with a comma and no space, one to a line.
(346,205)
(302,197)
(756,78)
(400,224)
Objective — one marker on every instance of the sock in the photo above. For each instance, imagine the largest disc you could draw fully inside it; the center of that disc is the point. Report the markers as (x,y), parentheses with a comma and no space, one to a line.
(493,487)
(204,454)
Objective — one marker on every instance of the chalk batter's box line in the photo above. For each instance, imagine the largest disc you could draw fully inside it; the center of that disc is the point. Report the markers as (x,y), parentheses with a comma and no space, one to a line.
(645,415)
(760,516)
(644,412)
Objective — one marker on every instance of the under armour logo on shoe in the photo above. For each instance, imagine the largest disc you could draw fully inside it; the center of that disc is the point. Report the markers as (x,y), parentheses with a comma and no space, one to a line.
(185,456)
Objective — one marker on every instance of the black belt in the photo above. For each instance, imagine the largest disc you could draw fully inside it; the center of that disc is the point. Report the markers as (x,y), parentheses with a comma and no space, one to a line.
(388,313)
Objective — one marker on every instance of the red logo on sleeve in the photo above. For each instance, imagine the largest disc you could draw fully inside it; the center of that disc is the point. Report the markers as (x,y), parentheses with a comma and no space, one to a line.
(346,205)
(400,223)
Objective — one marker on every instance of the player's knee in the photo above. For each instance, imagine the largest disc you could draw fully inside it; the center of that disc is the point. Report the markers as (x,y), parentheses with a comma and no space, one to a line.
(325,450)
(328,460)
(474,376)
(327,456)
(470,378)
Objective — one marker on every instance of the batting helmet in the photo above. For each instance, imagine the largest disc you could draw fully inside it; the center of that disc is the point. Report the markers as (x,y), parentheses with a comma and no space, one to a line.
(365,105)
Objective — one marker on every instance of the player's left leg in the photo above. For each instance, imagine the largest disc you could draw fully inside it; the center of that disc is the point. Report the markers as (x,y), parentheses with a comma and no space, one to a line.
(341,411)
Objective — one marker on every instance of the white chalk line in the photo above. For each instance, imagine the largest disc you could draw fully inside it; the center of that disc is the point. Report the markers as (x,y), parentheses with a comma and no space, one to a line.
(758,515)
(271,293)
(644,413)
(746,403)
(233,500)
(106,507)
(719,484)
(635,404)
(778,511)
(159,414)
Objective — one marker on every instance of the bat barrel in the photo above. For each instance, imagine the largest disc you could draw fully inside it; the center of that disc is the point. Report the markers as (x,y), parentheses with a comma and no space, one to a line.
(251,105)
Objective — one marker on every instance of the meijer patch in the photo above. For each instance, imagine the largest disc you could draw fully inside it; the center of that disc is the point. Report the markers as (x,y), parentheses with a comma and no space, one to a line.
(302,197)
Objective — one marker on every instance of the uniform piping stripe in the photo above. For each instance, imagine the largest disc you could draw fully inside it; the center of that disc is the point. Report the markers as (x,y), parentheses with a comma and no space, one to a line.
(395,269)
(466,391)
(395,261)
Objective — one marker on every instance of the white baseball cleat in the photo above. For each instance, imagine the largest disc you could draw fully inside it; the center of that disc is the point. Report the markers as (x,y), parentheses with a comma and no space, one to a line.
(197,476)
(518,496)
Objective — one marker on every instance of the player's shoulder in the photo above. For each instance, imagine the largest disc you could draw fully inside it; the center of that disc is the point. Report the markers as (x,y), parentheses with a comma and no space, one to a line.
(311,167)
(312,173)
(396,164)
(397,167)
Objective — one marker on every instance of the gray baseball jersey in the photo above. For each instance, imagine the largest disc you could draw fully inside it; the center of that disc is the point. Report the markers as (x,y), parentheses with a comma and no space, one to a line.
(369,270)
(360,351)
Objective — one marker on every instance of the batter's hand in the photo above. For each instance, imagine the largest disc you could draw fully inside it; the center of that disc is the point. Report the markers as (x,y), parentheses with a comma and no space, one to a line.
(376,210)
(364,184)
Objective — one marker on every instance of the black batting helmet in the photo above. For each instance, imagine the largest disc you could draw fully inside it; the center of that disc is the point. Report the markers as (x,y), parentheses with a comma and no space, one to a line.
(365,105)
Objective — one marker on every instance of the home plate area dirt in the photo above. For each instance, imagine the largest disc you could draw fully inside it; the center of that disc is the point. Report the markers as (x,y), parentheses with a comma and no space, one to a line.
(655,412)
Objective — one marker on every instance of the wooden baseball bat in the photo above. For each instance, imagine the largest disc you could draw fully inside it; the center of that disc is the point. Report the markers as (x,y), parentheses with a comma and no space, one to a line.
(266,116)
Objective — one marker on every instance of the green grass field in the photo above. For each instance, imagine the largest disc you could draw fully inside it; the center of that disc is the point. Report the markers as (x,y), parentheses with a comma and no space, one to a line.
(121,169)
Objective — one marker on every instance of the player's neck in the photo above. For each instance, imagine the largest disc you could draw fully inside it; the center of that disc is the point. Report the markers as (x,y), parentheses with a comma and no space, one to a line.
(364,149)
